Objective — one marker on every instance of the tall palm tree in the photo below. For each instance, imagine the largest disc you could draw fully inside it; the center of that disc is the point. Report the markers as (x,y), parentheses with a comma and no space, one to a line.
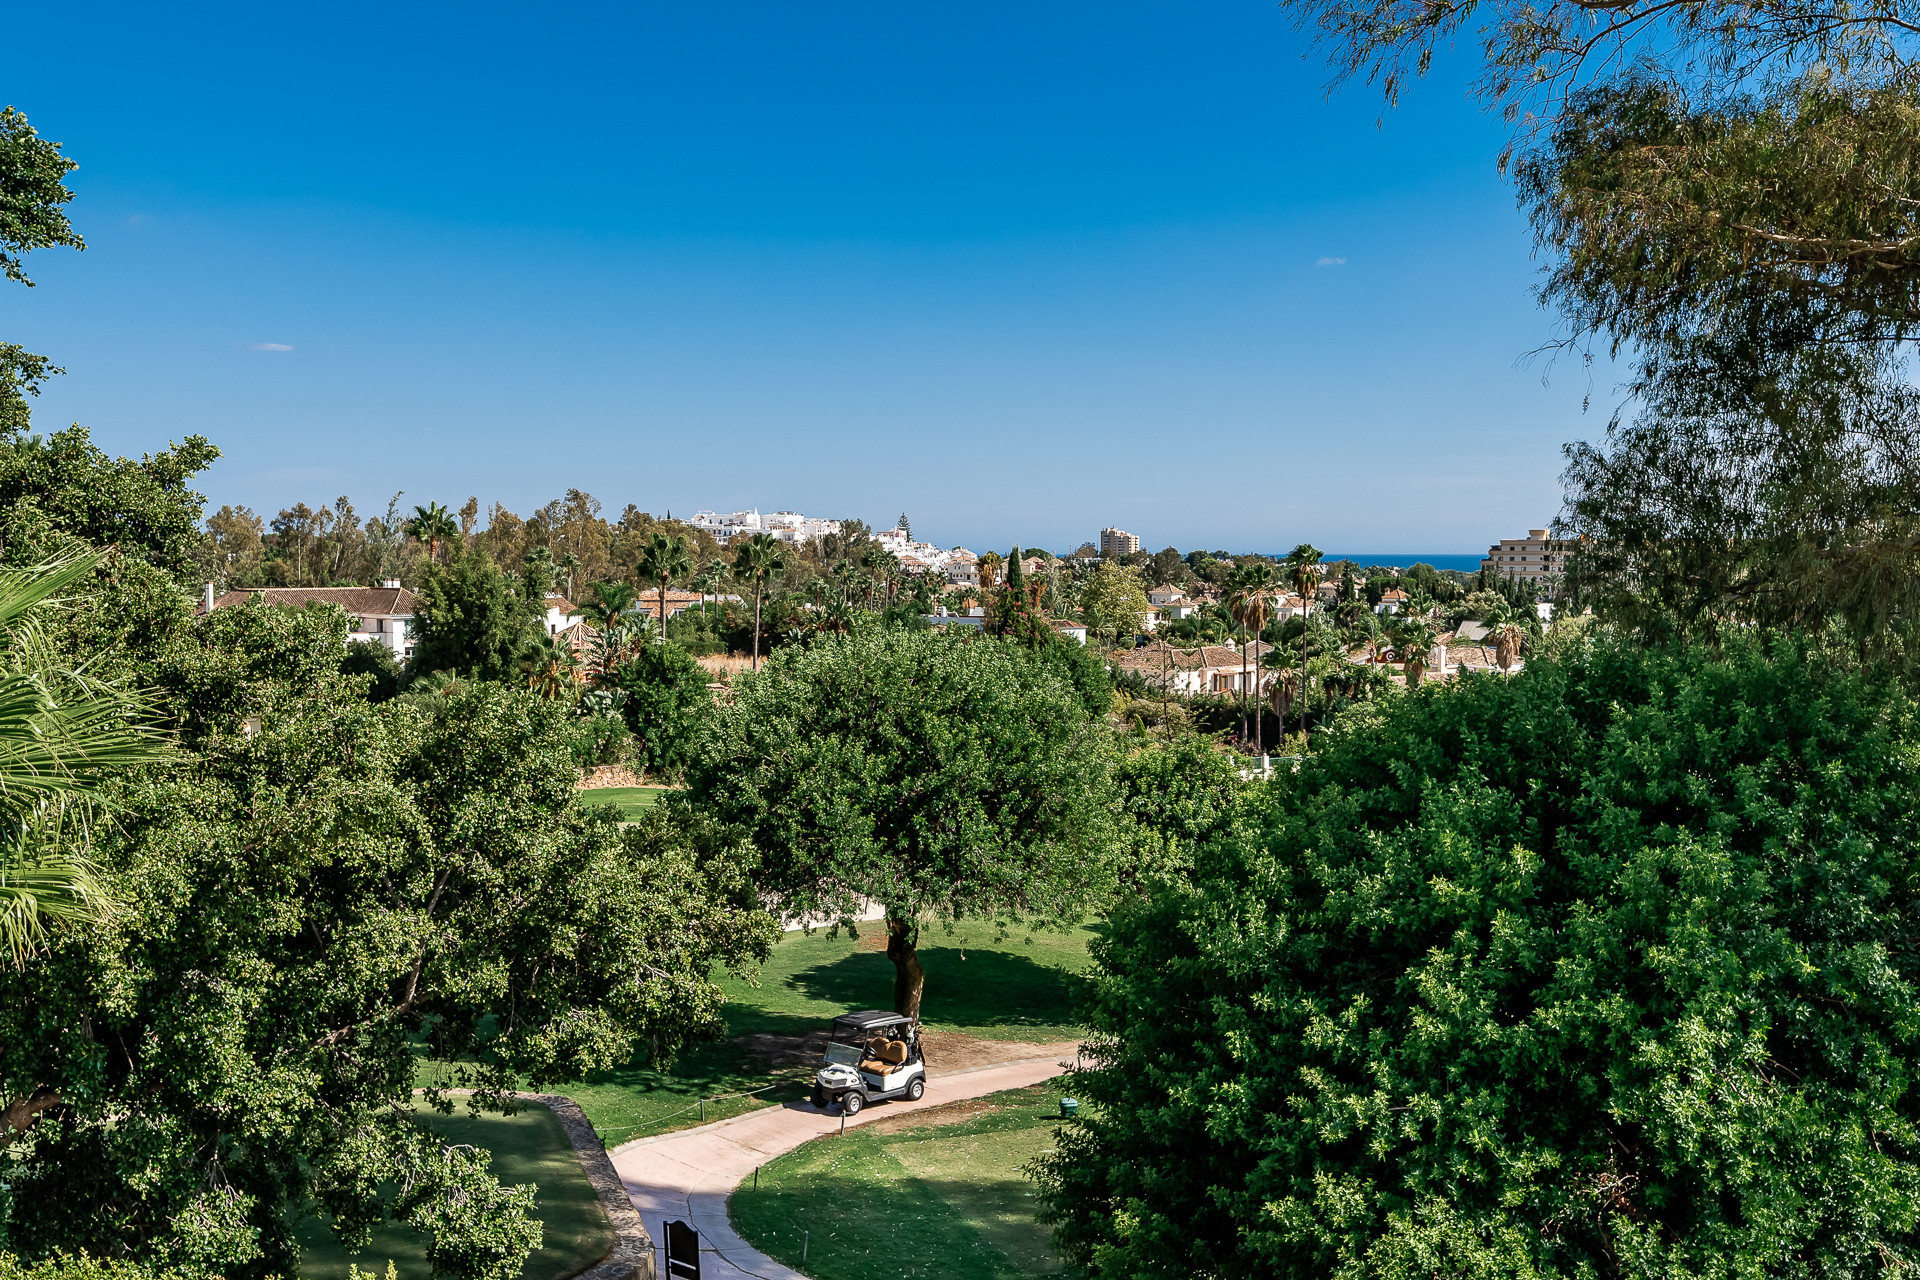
(63,735)
(1304,569)
(708,583)
(990,570)
(662,560)
(569,562)
(432,524)
(606,612)
(551,669)
(1508,638)
(757,559)
(1250,601)
(1414,640)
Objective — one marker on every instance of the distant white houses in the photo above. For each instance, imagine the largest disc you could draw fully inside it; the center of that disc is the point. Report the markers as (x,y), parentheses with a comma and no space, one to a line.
(785,526)
(380,615)
(1391,602)
(1171,603)
(959,566)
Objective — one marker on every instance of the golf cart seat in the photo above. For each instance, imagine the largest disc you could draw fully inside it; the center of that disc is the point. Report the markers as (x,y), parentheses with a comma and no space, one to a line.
(887,1055)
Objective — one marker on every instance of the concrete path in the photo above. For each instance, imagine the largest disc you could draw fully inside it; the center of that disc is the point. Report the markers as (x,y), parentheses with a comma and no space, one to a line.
(689,1175)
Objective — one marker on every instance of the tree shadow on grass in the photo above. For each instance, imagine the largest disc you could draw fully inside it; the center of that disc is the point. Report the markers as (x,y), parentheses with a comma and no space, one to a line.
(971,988)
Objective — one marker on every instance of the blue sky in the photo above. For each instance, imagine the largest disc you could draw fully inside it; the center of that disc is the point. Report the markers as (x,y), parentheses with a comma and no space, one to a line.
(1019,270)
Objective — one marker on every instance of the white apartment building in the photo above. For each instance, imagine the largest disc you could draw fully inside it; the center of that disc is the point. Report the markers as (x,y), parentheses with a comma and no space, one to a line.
(1118,542)
(785,526)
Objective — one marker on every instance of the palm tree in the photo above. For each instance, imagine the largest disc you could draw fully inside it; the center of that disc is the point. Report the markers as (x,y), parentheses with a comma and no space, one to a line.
(990,570)
(1250,601)
(1414,640)
(1508,638)
(432,524)
(63,735)
(569,562)
(708,581)
(662,560)
(757,559)
(1303,567)
(606,612)
(551,668)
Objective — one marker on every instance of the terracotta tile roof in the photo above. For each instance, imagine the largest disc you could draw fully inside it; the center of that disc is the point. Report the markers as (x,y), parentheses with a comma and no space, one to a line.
(1209,657)
(364,602)
(557,601)
(652,597)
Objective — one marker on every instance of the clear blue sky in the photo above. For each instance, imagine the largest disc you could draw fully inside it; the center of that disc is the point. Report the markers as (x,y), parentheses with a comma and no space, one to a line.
(1019,270)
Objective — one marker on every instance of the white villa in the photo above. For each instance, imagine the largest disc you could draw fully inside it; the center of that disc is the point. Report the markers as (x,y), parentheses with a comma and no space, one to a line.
(379,615)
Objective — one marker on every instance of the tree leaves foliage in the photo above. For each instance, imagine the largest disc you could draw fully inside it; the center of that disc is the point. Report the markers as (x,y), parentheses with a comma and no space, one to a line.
(1603,970)
(301,905)
(948,775)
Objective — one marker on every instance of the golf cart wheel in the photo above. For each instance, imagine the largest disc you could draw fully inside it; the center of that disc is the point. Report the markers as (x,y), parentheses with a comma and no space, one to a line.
(819,1097)
(916,1089)
(851,1103)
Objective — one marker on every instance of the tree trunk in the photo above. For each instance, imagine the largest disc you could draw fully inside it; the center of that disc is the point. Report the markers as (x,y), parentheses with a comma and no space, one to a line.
(909,979)
(756,626)
(1303,679)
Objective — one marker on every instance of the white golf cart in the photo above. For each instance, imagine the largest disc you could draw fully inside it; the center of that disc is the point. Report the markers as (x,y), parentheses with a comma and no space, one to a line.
(872,1056)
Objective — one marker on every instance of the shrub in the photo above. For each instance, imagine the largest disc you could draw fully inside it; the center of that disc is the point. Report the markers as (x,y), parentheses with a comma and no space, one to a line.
(1602,970)
(667,700)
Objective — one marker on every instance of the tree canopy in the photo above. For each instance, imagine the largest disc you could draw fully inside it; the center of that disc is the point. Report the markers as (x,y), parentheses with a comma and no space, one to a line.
(300,897)
(1599,970)
(939,776)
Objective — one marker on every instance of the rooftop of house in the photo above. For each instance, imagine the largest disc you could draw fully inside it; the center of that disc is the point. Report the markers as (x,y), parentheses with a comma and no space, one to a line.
(1158,657)
(365,602)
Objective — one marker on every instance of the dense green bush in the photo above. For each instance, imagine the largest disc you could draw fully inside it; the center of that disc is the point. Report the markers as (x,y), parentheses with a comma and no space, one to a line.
(667,701)
(1608,969)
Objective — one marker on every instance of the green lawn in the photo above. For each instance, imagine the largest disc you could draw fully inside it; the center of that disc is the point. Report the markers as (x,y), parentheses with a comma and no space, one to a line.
(933,1202)
(528,1147)
(1012,989)
(631,800)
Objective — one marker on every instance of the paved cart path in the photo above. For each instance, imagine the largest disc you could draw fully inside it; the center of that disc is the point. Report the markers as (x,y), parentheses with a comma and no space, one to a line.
(689,1174)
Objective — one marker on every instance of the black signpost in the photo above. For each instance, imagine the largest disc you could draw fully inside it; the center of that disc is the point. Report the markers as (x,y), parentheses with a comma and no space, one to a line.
(683,1251)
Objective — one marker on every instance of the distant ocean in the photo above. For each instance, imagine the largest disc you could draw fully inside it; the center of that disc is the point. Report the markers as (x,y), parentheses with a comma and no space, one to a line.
(1407,559)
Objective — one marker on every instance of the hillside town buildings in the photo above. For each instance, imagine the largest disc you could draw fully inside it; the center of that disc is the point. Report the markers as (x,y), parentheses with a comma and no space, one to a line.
(785,526)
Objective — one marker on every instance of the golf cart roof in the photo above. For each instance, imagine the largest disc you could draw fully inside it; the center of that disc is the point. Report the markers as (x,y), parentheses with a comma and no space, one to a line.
(868,1019)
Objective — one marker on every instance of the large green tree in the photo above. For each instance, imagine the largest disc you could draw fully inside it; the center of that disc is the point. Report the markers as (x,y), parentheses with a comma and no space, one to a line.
(33,199)
(1724,193)
(319,885)
(1598,971)
(934,775)
(474,620)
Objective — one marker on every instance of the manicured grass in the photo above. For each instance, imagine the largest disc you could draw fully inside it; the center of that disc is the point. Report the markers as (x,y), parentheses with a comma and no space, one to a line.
(932,1202)
(631,800)
(1011,989)
(527,1147)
